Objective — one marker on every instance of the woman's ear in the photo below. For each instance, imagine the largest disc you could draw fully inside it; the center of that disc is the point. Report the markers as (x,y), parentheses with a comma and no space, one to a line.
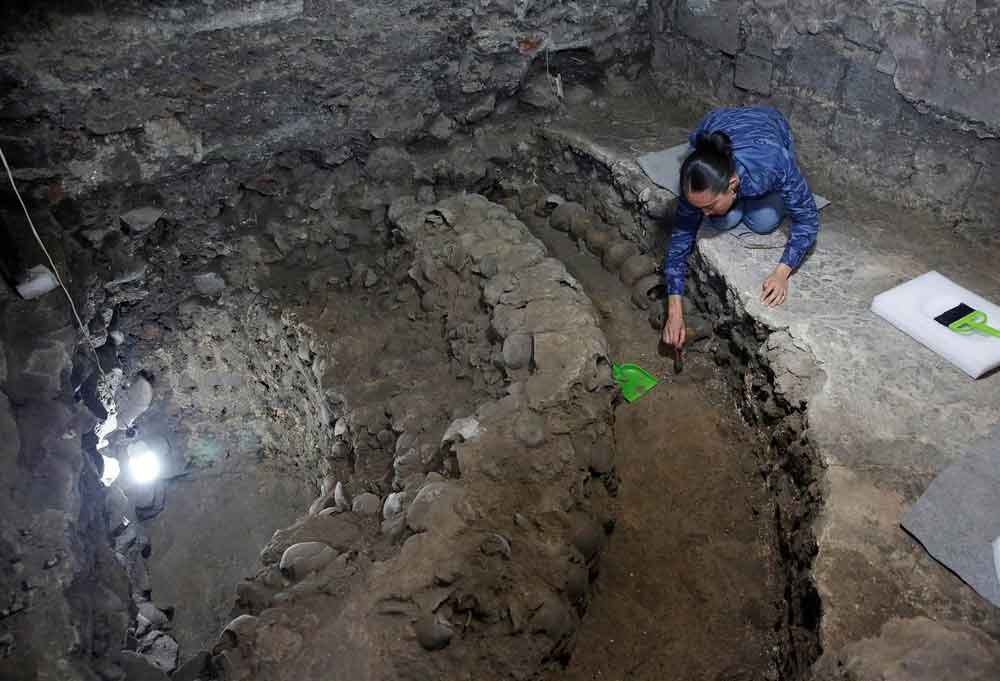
(734,183)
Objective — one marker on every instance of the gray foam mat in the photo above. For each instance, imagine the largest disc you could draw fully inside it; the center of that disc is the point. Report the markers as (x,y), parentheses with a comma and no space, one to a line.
(958,517)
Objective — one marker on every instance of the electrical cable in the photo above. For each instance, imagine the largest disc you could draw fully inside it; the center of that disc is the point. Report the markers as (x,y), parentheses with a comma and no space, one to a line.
(55,270)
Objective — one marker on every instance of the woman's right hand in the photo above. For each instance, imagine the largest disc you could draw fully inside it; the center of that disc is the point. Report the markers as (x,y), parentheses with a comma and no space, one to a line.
(674,331)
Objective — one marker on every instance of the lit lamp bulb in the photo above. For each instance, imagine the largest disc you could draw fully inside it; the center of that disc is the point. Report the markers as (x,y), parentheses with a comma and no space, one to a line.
(144,466)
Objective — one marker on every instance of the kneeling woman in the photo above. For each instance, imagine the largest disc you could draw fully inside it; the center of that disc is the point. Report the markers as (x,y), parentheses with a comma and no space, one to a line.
(742,170)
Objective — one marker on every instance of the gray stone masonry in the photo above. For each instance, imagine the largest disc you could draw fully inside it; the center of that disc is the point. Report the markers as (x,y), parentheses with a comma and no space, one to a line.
(753,74)
(918,75)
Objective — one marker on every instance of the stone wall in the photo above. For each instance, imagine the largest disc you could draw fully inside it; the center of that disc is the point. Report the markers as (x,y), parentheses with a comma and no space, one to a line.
(901,98)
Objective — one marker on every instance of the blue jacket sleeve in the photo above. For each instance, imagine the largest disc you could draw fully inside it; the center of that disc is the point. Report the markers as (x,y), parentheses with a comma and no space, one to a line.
(687,219)
(801,209)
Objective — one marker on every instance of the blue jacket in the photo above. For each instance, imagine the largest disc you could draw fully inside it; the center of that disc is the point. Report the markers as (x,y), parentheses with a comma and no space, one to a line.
(765,162)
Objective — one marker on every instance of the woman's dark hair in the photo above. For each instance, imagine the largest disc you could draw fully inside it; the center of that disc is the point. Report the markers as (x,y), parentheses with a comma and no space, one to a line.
(710,166)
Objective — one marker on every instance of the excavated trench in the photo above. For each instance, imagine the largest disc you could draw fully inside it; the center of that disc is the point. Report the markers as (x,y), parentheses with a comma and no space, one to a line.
(354,367)
(356,274)
(775,458)
(386,417)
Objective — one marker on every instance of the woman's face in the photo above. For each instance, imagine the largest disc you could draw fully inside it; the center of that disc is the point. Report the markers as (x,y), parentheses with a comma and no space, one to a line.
(714,204)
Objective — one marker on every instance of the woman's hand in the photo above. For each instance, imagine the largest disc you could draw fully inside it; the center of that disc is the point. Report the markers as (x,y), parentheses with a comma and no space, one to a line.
(674,331)
(775,288)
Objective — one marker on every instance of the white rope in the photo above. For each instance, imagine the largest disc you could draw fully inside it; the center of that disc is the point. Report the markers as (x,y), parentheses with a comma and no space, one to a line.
(55,271)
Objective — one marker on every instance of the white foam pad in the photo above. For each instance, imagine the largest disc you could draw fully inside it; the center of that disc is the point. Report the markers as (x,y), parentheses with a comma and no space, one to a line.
(912,307)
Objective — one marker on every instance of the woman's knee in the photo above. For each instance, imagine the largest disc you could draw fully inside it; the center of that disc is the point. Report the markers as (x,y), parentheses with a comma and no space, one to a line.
(729,220)
(764,217)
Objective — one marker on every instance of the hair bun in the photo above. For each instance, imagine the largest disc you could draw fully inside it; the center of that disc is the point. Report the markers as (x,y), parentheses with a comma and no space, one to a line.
(716,142)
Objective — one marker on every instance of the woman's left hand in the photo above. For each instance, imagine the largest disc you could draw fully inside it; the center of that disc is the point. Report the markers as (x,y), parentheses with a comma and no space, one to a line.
(775,288)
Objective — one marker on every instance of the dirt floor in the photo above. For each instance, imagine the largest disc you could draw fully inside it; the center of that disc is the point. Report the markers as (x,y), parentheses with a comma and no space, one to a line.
(689,585)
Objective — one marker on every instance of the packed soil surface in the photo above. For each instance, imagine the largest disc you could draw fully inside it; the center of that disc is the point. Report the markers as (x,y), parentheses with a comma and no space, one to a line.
(690,587)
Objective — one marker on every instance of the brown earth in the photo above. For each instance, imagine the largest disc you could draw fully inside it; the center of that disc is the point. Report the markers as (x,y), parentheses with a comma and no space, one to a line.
(690,586)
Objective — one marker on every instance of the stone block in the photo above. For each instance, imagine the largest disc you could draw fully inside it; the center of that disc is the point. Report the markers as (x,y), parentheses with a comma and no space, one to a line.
(886,63)
(859,31)
(817,66)
(539,92)
(38,371)
(389,164)
(760,41)
(714,23)
(963,86)
(870,92)
(753,74)
(141,219)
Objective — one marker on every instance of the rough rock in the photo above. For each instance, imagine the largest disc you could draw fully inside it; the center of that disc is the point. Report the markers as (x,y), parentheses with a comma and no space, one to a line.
(126,270)
(390,164)
(637,267)
(753,74)
(588,536)
(482,108)
(156,617)
(240,632)
(392,506)
(432,633)
(161,650)
(461,430)
(442,129)
(341,532)
(300,559)
(539,92)
(133,401)
(598,238)
(571,217)
(367,504)
(434,508)
(517,351)
(648,289)
(326,496)
(142,219)
(340,497)
(209,284)
(617,253)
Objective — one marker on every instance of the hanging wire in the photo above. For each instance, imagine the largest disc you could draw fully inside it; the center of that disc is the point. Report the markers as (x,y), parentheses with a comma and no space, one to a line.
(55,270)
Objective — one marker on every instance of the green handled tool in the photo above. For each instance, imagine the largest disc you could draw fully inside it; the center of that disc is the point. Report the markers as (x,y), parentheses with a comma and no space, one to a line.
(633,380)
(963,319)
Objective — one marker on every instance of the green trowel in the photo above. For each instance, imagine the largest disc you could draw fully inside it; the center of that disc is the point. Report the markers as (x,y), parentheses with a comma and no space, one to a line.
(633,380)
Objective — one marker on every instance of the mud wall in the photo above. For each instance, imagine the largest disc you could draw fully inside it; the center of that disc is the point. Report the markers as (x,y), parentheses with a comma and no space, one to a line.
(896,97)
(129,93)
